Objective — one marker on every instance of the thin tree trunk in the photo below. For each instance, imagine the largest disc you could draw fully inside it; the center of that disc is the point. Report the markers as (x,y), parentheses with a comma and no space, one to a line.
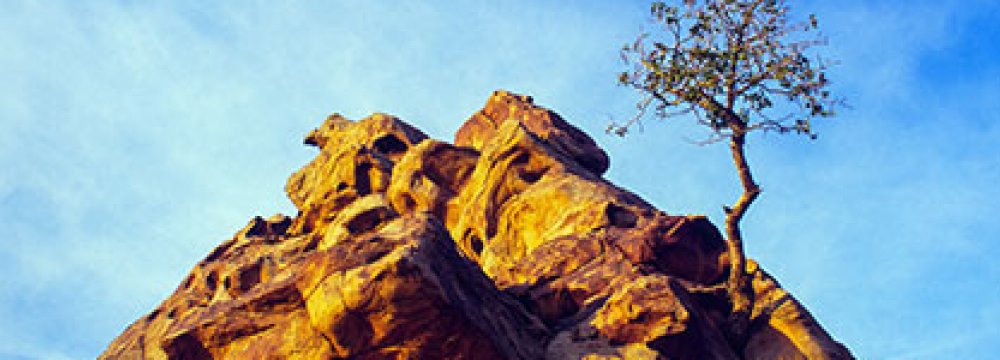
(738,286)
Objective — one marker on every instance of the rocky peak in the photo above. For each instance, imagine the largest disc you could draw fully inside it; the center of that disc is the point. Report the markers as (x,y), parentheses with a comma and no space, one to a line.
(503,107)
(507,244)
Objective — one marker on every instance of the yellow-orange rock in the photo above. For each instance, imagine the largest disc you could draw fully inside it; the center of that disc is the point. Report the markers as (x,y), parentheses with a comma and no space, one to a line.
(355,159)
(506,245)
(503,107)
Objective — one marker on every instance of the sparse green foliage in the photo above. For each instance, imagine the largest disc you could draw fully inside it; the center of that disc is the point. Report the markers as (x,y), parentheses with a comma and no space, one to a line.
(737,66)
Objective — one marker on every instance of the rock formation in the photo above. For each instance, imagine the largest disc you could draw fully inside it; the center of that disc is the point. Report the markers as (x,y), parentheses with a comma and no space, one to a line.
(507,244)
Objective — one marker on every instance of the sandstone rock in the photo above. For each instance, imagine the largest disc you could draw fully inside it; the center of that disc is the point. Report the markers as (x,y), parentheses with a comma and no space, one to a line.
(506,245)
(505,107)
(784,328)
(649,317)
(355,160)
(429,176)
(404,292)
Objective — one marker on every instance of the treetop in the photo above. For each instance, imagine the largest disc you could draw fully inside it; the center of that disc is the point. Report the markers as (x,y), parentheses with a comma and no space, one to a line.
(736,65)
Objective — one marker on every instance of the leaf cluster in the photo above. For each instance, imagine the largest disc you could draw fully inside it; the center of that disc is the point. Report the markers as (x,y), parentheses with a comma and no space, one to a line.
(734,64)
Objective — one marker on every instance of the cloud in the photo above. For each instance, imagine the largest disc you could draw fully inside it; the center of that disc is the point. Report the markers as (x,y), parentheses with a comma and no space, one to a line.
(137,136)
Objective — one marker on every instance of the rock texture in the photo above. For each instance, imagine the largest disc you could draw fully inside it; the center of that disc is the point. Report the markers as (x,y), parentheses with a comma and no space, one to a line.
(507,244)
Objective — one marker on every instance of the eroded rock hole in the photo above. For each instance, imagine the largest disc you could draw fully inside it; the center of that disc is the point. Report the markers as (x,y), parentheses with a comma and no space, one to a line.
(477,244)
(362,180)
(531,176)
(280,227)
(521,159)
(186,346)
(153,315)
(367,220)
(259,227)
(211,281)
(619,216)
(248,277)
(389,145)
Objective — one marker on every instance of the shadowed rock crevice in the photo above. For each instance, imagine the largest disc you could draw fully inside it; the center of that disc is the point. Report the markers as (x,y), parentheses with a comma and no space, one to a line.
(390,145)
(186,347)
(507,244)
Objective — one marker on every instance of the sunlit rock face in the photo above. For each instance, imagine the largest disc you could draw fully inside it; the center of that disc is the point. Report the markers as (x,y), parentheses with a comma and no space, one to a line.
(506,244)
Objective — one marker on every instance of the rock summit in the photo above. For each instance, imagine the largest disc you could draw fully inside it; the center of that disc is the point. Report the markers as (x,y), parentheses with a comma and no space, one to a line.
(505,244)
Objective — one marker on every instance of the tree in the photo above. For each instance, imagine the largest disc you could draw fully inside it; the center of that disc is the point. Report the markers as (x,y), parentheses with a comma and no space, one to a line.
(736,66)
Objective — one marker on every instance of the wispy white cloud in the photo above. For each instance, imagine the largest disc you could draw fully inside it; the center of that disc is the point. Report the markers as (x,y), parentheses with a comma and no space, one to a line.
(140,135)
(136,136)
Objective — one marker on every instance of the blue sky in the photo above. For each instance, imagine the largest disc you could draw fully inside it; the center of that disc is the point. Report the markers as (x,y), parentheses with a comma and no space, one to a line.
(135,137)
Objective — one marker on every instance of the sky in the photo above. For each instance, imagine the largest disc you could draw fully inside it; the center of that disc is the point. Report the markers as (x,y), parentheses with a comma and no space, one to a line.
(137,136)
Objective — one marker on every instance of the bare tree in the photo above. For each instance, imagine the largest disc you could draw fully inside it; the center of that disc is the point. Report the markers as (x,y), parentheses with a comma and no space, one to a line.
(736,66)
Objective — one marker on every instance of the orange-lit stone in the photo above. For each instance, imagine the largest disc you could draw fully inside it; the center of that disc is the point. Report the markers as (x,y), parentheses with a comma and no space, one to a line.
(506,245)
